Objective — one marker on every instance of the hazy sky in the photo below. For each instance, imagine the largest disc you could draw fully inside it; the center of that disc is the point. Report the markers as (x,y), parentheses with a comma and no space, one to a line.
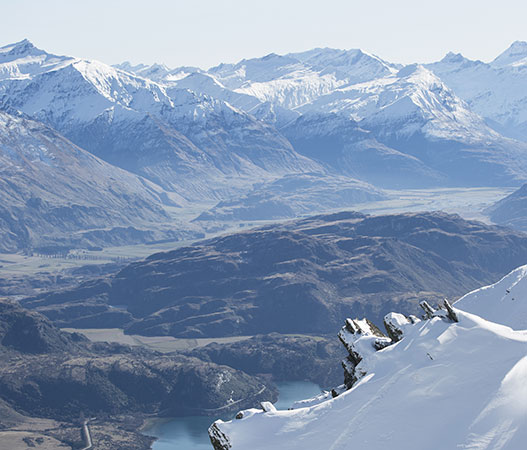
(206,32)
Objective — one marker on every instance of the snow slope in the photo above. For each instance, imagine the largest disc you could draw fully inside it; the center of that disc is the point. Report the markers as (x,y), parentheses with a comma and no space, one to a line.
(444,385)
(503,302)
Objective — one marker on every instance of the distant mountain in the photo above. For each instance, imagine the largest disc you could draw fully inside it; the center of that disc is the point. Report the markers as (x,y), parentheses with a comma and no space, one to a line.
(511,211)
(292,80)
(53,193)
(462,372)
(415,113)
(293,196)
(314,270)
(380,122)
(232,134)
(178,139)
(494,90)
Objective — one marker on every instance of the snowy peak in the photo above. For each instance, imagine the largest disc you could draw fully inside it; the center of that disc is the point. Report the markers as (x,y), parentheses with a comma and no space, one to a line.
(24,60)
(344,61)
(452,57)
(515,55)
(18,49)
(455,60)
(496,91)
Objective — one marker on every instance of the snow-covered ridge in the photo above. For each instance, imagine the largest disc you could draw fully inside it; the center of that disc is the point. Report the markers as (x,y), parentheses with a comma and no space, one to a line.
(413,97)
(503,302)
(453,379)
(494,90)
(23,60)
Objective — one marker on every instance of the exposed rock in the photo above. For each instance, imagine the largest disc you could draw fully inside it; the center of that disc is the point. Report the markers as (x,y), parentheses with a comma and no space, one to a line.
(394,323)
(218,439)
(429,311)
(267,407)
(451,314)
(349,335)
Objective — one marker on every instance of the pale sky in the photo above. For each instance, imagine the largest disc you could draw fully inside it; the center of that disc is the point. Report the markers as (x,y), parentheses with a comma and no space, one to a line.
(206,32)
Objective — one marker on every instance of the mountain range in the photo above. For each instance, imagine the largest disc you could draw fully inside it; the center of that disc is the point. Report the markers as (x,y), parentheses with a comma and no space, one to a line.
(386,116)
(341,124)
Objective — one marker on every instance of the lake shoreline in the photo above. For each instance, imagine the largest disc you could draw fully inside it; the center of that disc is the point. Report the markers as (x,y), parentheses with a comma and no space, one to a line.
(191,432)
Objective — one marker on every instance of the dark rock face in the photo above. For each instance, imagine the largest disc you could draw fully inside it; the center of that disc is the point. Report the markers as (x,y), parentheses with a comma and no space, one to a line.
(284,357)
(48,373)
(511,211)
(305,275)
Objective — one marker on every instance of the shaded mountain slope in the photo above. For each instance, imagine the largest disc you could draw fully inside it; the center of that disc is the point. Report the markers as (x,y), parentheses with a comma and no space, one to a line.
(511,211)
(49,373)
(52,191)
(298,277)
(175,137)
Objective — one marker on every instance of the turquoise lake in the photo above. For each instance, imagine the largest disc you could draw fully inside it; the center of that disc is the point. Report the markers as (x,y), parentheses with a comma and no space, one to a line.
(190,433)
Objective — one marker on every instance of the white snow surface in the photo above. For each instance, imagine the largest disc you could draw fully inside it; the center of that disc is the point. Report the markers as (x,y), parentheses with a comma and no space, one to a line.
(445,385)
(504,302)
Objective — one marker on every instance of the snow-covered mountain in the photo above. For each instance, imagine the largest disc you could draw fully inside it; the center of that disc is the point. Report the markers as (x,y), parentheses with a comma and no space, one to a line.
(54,193)
(455,379)
(179,139)
(415,113)
(209,134)
(298,78)
(496,90)
(416,122)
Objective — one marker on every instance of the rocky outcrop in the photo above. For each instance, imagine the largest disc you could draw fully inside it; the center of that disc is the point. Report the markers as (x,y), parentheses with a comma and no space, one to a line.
(361,338)
(219,440)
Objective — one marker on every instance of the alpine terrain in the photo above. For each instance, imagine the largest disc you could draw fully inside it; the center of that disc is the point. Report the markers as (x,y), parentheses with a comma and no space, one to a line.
(463,367)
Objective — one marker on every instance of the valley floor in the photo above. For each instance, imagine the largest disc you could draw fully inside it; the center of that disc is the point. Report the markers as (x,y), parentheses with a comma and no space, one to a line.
(163,344)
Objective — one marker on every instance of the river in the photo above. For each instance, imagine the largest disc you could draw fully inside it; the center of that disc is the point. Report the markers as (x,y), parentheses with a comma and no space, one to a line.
(190,433)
